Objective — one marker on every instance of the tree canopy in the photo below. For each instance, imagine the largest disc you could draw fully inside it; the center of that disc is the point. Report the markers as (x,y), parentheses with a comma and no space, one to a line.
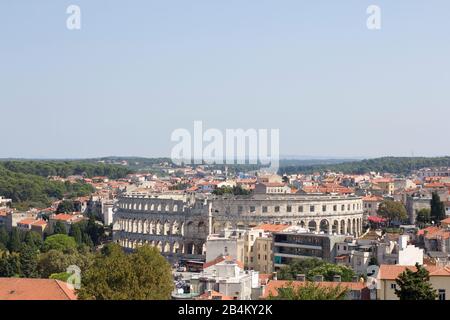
(392,210)
(415,285)
(114,275)
(310,291)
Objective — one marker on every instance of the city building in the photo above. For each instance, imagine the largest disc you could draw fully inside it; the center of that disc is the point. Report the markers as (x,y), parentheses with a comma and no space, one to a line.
(292,245)
(178,224)
(386,285)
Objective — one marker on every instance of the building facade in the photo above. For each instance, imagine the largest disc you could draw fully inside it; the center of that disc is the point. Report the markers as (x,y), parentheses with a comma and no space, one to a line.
(178,224)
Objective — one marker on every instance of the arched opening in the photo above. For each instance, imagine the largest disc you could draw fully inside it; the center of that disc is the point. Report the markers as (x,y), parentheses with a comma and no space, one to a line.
(167,247)
(166,228)
(342,226)
(312,226)
(324,226)
(335,227)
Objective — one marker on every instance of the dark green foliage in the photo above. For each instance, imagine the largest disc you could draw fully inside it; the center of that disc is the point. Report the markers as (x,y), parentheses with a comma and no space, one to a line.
(28,262)
(27,190)
(59,228)
(398,165)
(415,285)
(315,267)
(66,206)
(437,208)
(310,291)
(114,275)
(392,210)
(423,217)
(65,168)
(236,190)
(15,240)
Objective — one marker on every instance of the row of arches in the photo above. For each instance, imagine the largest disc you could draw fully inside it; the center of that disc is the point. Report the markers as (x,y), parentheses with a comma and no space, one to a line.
(166,247)
(343,226)
(145,206)
(163,227)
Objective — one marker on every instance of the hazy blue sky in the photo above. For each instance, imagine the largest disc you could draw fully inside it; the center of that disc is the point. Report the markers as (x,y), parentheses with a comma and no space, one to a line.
(137,70)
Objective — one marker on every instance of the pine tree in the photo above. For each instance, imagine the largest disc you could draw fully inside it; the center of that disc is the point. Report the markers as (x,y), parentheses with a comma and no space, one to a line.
(415,285)
(59,228)
(14,241)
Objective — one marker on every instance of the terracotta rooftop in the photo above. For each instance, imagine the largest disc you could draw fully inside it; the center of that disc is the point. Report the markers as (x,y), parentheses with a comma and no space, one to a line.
(391,272)
(34,289)
(221,259)
(267,227)
(214,295)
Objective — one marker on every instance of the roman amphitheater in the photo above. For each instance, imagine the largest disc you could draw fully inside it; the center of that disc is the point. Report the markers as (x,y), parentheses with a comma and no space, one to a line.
(178,224)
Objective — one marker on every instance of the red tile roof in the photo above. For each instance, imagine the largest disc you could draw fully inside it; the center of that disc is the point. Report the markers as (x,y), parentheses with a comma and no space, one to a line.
(221,259)
(391,272)
(34,289)
(267,227)
(213,295)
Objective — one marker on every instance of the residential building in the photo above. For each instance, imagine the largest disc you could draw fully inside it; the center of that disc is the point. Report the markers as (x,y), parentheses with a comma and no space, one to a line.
(387,274)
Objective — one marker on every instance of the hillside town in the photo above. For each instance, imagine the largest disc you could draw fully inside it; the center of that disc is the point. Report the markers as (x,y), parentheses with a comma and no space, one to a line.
(247,235)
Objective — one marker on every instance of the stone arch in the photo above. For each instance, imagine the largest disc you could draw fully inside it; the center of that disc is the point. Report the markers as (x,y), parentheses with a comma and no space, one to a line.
(167,247)
(312,225)
(175,228)
(167,230)
(175,208)
(335,227)
(159,246)
(152,207)
(176,248)
(324,226)
(159,227)
(301,223)
(342,229)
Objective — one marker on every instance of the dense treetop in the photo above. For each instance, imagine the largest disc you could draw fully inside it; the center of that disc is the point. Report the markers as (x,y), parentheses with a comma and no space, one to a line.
(396,165)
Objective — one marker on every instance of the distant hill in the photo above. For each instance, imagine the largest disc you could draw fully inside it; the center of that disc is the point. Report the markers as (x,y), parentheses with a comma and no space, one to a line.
(395,165)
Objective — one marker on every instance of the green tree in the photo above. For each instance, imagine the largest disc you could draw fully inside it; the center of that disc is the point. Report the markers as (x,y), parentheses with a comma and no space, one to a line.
(392,210)
(34,240)
(437,208)
(55,261)
(66,206)
(4,238)
(329,270)
(60,242)
(28,262)
(59,228)
(423,217)
(15,240)
(114,275)
(302,266)
(77,233)
(309,291)
(415,285)
(9,264)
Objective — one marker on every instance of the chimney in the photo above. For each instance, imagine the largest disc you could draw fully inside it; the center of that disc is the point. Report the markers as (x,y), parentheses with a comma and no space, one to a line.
(300,277)
(274,276)
(318,278)
(336,278)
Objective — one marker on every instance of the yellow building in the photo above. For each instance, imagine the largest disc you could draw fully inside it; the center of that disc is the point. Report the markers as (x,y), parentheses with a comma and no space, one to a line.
(439,279)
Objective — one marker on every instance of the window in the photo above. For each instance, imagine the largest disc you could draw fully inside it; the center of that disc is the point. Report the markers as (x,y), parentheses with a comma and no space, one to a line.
(264,209)
(289,209)
(240,209)
(300,209)
(441,294)
(335,208)
(393,286)
(277,208)
(324,208)
(252,208)
(311,209)
(343,207)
